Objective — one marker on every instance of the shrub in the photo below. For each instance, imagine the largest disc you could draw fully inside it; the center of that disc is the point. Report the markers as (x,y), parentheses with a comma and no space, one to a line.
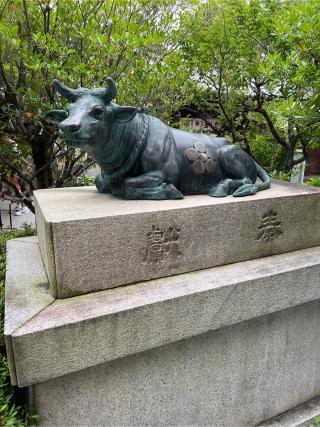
(314,181)
(315,422)
(267,154)
(85,180)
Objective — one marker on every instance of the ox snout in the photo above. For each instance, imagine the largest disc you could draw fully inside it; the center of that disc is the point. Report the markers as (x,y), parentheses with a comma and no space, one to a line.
(69,130)
(74,127)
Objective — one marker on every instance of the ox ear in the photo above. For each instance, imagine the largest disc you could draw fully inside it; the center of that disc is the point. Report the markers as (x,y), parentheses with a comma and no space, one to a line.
(125,114)
(56,116)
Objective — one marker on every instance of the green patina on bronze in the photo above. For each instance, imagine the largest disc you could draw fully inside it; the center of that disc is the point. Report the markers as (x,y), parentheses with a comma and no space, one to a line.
(143,158)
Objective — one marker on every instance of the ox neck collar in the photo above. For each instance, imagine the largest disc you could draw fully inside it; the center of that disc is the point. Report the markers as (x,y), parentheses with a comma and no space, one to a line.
(121,173)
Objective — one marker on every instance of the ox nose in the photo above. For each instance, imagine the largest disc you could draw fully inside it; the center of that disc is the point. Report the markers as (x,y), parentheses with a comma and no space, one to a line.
(74,127)
(68,128)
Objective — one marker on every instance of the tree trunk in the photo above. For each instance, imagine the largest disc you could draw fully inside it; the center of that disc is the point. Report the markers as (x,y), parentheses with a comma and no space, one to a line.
(42,147)
(289,159)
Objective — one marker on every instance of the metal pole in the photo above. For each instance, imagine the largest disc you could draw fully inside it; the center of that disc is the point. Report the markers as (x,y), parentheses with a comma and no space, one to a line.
(10,216)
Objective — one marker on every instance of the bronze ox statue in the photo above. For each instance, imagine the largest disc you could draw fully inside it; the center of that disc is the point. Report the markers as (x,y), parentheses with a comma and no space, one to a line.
(143,158)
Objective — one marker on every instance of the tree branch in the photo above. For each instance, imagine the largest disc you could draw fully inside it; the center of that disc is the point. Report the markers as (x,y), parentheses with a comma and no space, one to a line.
(80,170)
(26,14)
(14,168)
(4,77)
(292,136)
(21,198)
(273,130)
(3,9)
(52,159)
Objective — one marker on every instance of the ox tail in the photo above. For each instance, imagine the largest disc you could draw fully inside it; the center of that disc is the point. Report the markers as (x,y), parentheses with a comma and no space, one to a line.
(248,189)
(265,178)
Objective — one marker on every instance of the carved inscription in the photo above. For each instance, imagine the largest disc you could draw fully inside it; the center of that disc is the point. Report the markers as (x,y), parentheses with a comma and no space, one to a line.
(269,228)
(162,245)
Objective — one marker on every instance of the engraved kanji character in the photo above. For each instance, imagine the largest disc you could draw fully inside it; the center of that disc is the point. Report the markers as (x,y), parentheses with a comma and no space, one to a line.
(269,227)
(162,244)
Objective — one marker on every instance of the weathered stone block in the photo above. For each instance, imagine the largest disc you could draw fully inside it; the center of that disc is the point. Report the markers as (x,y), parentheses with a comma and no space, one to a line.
(229,345)
(91,241)
(27,289)
(71,334)
(236,376)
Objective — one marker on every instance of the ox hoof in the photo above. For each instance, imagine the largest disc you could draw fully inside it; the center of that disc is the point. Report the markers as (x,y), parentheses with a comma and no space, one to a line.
(246,190)
(99,183)
(218,191)
(173,193)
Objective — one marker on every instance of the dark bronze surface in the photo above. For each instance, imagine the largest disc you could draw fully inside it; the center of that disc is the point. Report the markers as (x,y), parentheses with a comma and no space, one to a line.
(143,158)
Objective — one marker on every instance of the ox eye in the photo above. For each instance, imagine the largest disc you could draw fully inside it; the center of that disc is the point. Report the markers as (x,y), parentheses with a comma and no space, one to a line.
(97,111)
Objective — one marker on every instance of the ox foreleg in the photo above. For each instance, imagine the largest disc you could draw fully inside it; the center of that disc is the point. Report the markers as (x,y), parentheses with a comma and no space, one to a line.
(149,186)
(102,184)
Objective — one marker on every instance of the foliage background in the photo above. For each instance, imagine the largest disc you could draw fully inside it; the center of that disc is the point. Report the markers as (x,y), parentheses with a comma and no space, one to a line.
(254,64)
(137,43)
(259,62)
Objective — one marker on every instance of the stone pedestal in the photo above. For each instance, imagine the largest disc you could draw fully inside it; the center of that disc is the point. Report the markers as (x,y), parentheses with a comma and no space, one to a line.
(240,375)
(233,344)
(230,345)
(91,241)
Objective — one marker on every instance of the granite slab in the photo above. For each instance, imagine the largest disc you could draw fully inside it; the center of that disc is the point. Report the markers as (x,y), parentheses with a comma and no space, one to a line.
(71,334)
(91,241)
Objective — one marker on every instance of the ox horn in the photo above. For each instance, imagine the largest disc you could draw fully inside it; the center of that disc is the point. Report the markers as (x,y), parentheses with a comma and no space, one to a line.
(110,91)
(66,92)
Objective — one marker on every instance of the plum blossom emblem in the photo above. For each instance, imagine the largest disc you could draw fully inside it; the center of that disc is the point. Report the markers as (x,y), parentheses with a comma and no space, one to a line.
(201,160)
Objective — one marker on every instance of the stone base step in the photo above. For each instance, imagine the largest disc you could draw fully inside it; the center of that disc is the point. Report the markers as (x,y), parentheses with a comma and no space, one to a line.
(301,416)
